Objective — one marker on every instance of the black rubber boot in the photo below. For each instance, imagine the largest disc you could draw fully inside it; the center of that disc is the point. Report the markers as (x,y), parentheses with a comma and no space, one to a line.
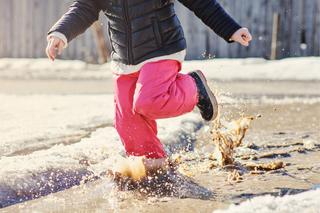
(207,103)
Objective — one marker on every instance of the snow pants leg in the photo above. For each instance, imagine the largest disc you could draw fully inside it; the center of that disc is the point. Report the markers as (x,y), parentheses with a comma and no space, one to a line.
(157,91)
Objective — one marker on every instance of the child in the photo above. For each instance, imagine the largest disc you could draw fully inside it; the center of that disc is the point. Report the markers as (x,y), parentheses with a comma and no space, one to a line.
(148,47)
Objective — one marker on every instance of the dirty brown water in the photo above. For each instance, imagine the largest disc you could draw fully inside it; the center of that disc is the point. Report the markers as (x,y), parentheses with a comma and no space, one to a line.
(289,129)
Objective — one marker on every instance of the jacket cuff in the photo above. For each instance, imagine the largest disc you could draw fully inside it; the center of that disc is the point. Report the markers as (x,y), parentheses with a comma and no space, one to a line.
(60,36)
(229,31)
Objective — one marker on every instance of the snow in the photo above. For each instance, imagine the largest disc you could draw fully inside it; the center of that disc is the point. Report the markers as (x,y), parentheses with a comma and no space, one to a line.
(39,121)
(307,68)
(12,68)
(100,146)
(259,69)
(308,202)
(57,168)
(35,158)
(35,122)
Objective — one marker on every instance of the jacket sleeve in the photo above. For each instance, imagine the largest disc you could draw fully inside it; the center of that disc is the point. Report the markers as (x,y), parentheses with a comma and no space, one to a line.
(80,16)
(214,16)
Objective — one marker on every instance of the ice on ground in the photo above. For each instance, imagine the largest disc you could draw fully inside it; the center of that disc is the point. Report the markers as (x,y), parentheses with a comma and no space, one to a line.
(304,202)
(37,121)
(223,69)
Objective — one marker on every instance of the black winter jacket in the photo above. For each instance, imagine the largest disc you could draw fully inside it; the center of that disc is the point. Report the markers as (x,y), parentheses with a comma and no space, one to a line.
(143,29)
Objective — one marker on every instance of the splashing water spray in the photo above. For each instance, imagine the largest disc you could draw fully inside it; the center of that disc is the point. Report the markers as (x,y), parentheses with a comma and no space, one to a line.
(228,136)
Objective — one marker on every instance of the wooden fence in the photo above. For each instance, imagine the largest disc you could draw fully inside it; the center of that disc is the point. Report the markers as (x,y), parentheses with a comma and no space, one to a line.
(281,28)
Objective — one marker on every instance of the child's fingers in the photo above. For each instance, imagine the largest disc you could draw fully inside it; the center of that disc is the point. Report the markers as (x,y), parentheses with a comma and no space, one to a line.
(52,50)
(243,41)
(49,56)
(245,34)
(60,47)
(48,51)
(247,37)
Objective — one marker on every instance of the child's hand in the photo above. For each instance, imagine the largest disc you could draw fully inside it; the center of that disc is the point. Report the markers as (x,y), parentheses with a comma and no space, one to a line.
(242,36)
(54,44)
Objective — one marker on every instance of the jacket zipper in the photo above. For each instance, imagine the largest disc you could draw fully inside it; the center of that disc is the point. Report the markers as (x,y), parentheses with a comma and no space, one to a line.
(126,17)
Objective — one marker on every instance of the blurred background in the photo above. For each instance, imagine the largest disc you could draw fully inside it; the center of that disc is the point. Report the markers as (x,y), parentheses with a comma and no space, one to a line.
(281,28)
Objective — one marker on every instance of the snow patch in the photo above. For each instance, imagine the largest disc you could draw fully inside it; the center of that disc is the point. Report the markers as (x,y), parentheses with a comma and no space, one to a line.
(37,121)
(303,68)
(307,68)
(304,202)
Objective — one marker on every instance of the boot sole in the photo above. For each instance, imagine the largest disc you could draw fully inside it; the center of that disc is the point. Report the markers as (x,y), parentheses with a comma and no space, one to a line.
(212,97)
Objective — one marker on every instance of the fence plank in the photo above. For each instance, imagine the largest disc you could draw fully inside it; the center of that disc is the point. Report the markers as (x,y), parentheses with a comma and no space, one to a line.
(262,28)
(23,28)
(2,32)
(28,33)
(231,9)
(296,31)
(316,31)
(245,18)
(44,11)
(268,22)
(16,20)
(222,45)
(308,27)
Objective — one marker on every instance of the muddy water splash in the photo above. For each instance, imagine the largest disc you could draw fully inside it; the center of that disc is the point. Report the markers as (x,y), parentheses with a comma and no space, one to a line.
(227,136)
(130,174)
(131,167)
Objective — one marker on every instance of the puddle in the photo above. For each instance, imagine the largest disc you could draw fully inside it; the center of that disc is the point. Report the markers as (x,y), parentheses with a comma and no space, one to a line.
(43,184)
(167,184)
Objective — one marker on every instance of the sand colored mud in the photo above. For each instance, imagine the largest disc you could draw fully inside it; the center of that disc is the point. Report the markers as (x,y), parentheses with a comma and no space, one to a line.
(265,166)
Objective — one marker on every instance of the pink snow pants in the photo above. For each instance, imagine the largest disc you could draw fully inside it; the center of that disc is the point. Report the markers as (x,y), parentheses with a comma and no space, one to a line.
(157,91)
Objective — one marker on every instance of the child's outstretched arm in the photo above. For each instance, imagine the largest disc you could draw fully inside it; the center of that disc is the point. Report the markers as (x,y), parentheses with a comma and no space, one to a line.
(215,17)
(80,16)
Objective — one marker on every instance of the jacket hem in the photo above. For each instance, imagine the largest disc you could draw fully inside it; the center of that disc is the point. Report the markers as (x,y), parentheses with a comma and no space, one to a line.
(119,68)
